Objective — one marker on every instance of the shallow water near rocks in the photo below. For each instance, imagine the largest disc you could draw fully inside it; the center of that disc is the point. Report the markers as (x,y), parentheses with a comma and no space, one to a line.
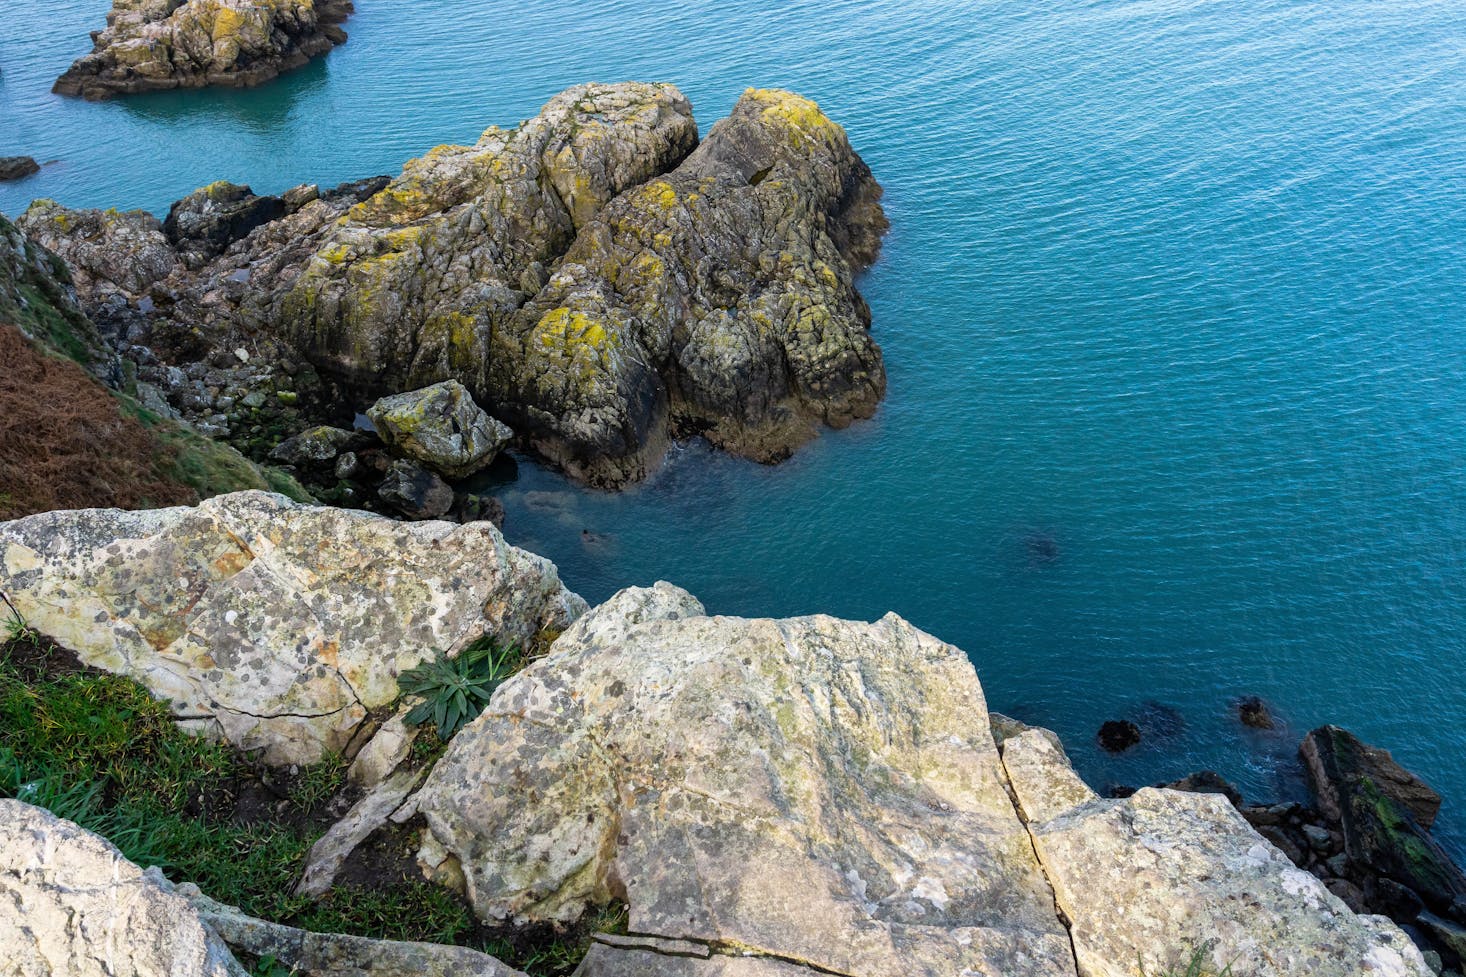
(1172,306)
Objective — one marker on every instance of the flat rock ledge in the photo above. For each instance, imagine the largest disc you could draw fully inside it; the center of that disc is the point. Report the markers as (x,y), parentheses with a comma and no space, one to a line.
(277,626)
(774,797)
(158,45)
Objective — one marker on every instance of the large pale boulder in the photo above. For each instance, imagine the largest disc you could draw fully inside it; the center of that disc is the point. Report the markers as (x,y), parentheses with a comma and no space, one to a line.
(275,625)
(72,906)
(1147,881)
(812,790)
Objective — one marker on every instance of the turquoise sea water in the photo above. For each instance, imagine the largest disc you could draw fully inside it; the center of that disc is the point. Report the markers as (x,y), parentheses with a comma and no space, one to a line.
(1173,306)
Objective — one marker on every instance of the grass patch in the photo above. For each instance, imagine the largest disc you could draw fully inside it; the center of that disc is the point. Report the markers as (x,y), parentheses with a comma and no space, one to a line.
(1195,966)
(97,749)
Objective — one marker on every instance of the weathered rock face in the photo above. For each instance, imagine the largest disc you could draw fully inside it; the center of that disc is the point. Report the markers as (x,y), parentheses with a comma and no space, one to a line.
(813,790)
(409,289)
(1384,812)
(203,224)
(38,297)
(717,299)
(593,277)
(274,625)
(72,906)
(441,427)
(1148,880)
(107,251)
(17,167)
(156,45)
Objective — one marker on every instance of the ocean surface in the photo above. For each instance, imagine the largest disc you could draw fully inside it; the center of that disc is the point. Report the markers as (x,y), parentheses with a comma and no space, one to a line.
(1173,307)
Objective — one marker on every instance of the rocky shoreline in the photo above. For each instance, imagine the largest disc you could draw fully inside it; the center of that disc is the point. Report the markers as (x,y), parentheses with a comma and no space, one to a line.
(766,797)
(161,45)
(596,278)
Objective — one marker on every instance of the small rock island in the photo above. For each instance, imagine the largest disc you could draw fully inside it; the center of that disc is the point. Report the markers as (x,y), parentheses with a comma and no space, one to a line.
(158,45)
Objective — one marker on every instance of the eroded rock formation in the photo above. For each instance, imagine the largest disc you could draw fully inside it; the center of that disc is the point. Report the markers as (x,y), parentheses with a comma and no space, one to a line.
(156,45)
(274,625)
(594,277)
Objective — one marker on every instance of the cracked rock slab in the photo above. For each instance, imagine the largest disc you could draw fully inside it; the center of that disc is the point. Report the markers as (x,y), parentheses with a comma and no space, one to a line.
(72,906)
(817,793)
(274,625)
(1147,880)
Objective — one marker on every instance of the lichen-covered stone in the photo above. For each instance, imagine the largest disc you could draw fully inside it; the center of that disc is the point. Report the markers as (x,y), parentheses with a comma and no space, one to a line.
(317,446)
(809,789)
(441,427)
(106,250)
(409,288)
(274,625)
(1149,880)
(72,906)
(203,224)
(155,45)
(716,299)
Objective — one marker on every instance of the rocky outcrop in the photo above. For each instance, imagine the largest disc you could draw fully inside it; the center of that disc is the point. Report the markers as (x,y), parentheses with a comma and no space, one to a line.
(410,288)
(441,427)
(157,45)
(1383,812)
(17,167)
(203,224)
(72,906)
(1151,880)
(810,791)
(276,626)
(716,300)
(782,797)
(594,278)
(38,296)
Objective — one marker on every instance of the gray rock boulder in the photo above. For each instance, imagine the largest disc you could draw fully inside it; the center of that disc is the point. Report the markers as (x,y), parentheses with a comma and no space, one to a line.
(157,45)
(414,492)
(17,167)
(72,906)
(441,427)
(106,250)
(1147,881)
(717,299)
(315,447)
(809,790)
(205,223)
(273,625)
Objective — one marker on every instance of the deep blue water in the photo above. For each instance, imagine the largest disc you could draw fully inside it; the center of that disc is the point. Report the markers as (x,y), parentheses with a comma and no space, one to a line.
(1173,306)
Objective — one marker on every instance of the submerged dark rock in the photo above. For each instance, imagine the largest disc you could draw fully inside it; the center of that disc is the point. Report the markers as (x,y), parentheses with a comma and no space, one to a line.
(157,45)
(1254,713)
(1118,735)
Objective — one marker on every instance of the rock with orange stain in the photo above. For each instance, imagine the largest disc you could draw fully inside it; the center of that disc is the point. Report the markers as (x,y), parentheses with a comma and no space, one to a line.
(273,625)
